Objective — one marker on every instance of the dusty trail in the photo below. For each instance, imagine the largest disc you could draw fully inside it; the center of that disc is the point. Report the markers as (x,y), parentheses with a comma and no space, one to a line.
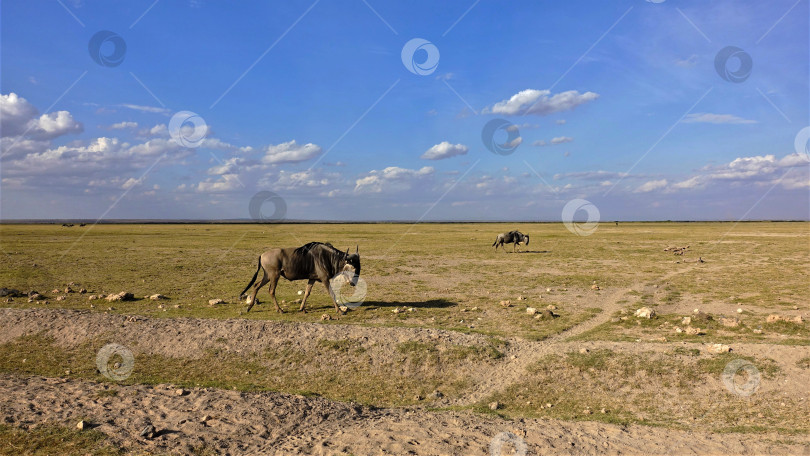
(283,424)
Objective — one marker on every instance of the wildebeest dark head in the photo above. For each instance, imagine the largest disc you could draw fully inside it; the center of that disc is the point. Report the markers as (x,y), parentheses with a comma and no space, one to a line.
(352,268)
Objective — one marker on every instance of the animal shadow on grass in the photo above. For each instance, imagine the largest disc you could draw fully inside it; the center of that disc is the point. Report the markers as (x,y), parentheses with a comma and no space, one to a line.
(532,251)
(433,303)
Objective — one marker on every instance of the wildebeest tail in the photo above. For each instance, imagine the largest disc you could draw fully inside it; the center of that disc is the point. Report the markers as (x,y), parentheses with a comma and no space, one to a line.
(495,243)
(253,279)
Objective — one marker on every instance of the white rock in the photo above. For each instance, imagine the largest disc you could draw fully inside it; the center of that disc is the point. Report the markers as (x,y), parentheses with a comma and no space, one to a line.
(645,312)
(531,310)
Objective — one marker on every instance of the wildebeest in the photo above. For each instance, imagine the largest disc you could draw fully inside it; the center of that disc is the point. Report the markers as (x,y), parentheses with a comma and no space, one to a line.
(512,237)
(314,262)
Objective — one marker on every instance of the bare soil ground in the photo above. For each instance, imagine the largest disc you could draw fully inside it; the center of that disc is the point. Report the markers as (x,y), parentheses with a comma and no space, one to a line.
(278,423)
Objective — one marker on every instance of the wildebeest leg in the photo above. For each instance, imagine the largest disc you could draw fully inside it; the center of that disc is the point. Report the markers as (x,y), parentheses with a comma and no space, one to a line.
(256,289)
(273,279)
(306,295)
(332,295)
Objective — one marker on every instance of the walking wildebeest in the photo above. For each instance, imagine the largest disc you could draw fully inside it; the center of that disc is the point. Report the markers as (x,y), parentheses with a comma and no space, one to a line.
(512,237)
(314,262)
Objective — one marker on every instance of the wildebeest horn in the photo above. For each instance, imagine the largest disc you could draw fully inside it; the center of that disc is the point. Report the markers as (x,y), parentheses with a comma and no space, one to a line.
(356,249)
(347,251)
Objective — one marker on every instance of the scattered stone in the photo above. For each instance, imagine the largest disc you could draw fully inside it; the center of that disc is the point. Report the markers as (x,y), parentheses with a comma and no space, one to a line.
(739,310)
(494,405)
(110,308)
(719,348)
(61,298)
(180,392)
(545,314)
(686,321)
(343,309)
(177,306)
(92,298)
(678,330)
(693,331)
(67,372)
(326,317)
(548,290)
(798,319)
(436,394)
(795,307)
(300,292)
(156,297)
(205,418)
(730,322)
(214,302)
(55,291)
(122,296)
(587,411)
(148,432)
(757,331)
(603,411)
(68,290)
(473,309)
(548,405)
(551,307)
(521,298)
(396,310)
(594,287)
(161,306)
(583,350)
(645,312)
(531,310)
(696,311)
(81,425)
(411,309)
(506,303)
(82,290)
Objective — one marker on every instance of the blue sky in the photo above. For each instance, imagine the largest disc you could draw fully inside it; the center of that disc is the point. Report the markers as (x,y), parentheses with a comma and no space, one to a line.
(618,103)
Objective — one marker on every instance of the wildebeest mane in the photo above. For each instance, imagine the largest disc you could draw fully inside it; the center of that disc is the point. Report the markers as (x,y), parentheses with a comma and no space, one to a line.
(330,258)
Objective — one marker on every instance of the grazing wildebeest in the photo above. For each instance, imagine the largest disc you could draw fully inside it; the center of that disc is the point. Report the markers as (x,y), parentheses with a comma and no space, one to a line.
(314,262)
(512,237)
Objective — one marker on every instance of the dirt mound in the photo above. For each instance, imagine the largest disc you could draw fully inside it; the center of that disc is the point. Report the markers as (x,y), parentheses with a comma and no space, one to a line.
(275,423)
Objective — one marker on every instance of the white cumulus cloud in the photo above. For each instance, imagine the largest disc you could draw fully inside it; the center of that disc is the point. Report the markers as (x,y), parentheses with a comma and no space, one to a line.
(540,102)
(444,150)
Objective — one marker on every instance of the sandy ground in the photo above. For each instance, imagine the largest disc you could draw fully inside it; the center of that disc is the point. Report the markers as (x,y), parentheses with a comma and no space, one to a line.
(283,424)
(276,423)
